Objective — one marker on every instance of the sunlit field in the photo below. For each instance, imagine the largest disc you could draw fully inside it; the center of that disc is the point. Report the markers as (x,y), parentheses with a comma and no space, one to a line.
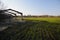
(41,28)
(49,19)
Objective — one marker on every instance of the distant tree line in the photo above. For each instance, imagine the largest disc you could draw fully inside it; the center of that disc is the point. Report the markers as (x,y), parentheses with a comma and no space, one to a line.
(40,16)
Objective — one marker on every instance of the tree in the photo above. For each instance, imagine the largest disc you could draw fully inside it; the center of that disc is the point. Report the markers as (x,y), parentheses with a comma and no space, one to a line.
(2,12)
(2,6)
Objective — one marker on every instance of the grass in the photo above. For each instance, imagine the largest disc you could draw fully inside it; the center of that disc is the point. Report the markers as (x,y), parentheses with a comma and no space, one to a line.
(33,29)
(49,19)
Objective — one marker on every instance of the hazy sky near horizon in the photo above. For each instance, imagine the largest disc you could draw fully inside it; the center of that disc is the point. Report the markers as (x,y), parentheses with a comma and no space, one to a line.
(34,7)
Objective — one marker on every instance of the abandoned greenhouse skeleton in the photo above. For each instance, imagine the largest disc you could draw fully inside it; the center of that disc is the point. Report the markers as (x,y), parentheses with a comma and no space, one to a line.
(7,17)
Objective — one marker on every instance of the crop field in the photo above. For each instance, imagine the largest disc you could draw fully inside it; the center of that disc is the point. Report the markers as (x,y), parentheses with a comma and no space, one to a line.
(33,29)
(49,19)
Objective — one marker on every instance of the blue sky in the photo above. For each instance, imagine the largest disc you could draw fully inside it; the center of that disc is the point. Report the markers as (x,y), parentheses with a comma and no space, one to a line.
(34,7)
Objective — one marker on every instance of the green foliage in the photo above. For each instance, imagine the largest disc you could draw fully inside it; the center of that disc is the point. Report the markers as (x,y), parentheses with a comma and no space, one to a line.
(32,30)
(49,19)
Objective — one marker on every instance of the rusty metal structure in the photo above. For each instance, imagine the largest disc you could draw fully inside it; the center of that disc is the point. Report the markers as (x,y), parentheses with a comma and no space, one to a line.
(7,17)
(8,14)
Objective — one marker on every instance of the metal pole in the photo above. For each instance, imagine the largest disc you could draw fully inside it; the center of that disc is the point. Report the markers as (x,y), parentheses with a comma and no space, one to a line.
(21,16)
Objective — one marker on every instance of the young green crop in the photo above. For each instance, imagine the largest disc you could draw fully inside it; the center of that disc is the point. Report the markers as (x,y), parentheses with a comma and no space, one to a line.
(34,29)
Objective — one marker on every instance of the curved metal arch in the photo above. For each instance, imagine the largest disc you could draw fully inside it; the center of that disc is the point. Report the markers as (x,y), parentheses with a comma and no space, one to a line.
(14,11)
(7,10)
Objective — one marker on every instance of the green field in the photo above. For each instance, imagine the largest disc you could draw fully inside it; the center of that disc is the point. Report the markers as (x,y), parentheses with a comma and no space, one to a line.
(33,29)
(49,19)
